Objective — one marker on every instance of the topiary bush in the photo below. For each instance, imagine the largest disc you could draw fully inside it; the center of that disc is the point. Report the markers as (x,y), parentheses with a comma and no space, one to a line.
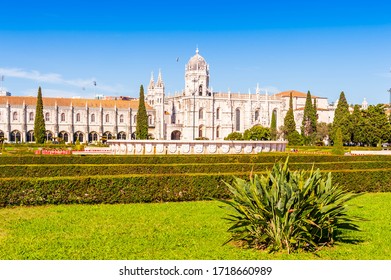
(286,210)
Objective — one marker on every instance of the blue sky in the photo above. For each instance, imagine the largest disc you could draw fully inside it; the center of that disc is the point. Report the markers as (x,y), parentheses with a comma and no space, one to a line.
(321,46)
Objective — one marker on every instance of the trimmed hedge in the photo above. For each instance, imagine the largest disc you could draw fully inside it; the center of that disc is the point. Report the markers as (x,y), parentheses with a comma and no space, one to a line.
(111,189)
(153,188)
(35,180)
(32,171)
(171,159)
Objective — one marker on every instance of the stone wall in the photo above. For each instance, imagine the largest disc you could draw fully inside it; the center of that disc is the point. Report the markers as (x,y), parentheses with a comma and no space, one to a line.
(163,147)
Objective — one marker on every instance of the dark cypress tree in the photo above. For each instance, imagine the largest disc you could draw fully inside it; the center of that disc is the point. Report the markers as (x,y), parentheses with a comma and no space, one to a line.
(357,128)
(308,128)
(342,119)
(273,127)
(39,122)
(142,118)
(289,120)
(338,144)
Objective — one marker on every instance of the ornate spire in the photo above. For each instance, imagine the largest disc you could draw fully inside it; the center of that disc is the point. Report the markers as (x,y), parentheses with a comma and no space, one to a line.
(151,82)
(160,80)
(197,51)
(364,104)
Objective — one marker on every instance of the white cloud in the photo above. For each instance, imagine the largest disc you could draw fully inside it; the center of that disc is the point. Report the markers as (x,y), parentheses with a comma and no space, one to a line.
(49,92)
(31,75)
(54,78)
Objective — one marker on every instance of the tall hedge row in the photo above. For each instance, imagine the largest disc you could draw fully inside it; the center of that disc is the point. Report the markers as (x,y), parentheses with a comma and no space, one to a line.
(170,159)
(35,180)
(111,189)
(32,171)
(153,188)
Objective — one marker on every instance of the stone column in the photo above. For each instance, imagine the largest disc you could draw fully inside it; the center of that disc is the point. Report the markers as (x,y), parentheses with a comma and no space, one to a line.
(23,135)
(7,132)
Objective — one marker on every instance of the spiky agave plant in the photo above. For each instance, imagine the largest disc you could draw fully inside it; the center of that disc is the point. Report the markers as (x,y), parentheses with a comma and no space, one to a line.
(287,210)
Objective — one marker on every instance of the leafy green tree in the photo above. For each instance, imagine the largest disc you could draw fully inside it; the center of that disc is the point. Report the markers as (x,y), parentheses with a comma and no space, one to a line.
(377,128)
(289,120)
(234,136)
(142,118)
(39,121)
(273,126)
(341,119)
(257,132)
(322,131)
(338,143)
(295,139)
(308,127)
(357,126)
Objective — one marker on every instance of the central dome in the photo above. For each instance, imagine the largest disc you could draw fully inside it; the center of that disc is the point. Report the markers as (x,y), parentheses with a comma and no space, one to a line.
(197,62)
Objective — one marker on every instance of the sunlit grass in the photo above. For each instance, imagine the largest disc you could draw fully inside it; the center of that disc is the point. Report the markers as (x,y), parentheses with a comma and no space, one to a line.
(189,230)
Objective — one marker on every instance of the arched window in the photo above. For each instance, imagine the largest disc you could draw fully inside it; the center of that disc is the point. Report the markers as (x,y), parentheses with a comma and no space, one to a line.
(93,118)
(63,117)
(49,135)
(93,136)
(78,135)
(256,115)
(200,90)
(121,118)
(47,117)
(275,114)
(30,136)
(201,114)
(107,135)
(150,120)
(15,116)
(237,119)
(107,118)
(217,113)
(64,136)
(176,135)
(135,119)
(218,132)
(201,131)
(122,135)
(31,117)
(78,118)
(16,136)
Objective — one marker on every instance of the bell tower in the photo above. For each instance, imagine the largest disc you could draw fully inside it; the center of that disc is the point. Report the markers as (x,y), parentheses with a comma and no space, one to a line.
(197,76)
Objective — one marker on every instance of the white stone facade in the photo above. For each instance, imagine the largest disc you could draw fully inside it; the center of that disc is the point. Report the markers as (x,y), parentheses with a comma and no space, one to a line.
(198,112)
(195,112)
(86,120)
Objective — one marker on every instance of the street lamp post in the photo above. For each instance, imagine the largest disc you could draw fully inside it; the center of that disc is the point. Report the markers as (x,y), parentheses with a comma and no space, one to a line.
(94,83)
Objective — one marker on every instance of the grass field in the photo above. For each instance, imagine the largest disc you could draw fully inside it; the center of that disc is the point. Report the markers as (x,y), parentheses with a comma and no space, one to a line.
(188,230)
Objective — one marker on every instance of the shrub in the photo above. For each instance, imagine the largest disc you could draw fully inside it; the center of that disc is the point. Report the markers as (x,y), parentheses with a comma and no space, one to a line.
(288,210)
(257,132)
(171,159)
(234,136)
(338,145)
(295,139)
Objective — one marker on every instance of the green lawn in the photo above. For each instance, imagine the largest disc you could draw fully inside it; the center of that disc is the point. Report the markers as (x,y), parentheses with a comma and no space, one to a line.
(189,230)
